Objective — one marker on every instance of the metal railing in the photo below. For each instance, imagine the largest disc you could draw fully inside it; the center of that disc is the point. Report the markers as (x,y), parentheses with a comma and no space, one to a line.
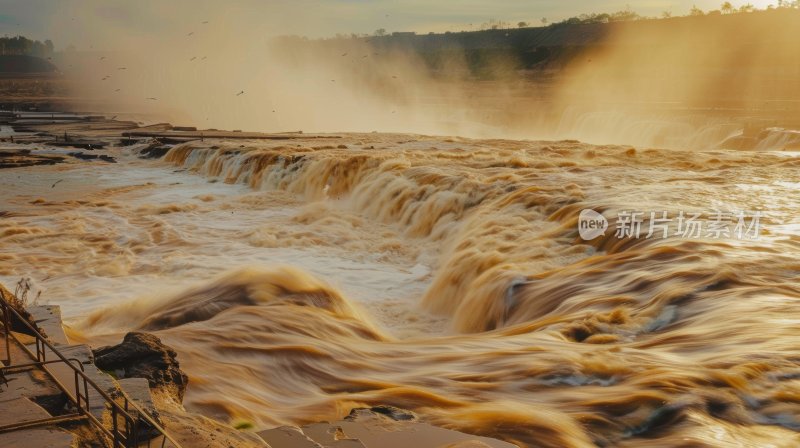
(126,430)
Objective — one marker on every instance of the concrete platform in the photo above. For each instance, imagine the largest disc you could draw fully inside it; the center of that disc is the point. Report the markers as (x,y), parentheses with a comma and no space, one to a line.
(38,438)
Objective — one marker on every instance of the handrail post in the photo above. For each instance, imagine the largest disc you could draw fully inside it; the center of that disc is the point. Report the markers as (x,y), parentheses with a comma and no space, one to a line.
(115,430)
(77,393)
(7,331)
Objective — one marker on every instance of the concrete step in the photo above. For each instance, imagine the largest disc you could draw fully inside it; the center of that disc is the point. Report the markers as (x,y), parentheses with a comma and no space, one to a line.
(287,437)
(48,319)
(138,391)
(66,376)
(331,436)
(21,410)
(35,385)
(401,434)
(372,430)
(48,437)
(18,355)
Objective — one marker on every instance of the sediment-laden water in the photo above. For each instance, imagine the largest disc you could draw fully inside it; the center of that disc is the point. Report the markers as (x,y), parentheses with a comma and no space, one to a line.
(299,279)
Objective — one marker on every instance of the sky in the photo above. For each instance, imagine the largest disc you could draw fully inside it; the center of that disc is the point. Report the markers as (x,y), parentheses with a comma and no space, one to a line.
(70,22)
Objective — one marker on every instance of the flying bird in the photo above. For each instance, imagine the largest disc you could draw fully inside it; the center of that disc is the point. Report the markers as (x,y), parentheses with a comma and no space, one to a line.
(205,22)
(151,98)
(122,68)
(344,54)
(54,185)
(117,90)
(192,59)
(240,93)
(190,33)
(102,58)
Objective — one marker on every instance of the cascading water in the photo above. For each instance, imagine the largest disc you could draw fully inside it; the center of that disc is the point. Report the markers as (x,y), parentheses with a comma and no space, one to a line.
(444,276)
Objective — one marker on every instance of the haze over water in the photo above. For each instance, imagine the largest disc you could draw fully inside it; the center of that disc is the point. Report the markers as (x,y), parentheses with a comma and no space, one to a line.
(298,279)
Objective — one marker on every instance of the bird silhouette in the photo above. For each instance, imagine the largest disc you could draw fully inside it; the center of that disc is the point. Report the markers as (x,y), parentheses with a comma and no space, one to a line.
(344,54)
(192,59)
(56,183)
(151,98)
(102,58)
(205,22)
(240,93)
(117,90)
(190,33)
(122,68)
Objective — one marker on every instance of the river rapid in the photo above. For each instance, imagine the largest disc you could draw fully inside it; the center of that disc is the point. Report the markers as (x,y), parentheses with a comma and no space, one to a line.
(298,279)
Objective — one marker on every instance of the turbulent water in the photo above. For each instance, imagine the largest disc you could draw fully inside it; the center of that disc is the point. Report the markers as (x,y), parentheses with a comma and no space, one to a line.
(298,279)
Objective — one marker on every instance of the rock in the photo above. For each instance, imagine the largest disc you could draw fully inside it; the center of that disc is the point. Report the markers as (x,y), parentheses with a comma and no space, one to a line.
(392,412)
(142,355)
(14,158)
(154,150)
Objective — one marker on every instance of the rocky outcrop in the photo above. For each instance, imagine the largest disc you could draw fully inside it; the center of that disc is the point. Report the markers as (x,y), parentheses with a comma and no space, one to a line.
(143,355)
(17,158)
(390,412)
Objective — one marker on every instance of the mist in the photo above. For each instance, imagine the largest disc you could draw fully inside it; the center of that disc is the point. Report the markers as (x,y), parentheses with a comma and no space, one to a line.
(684,82)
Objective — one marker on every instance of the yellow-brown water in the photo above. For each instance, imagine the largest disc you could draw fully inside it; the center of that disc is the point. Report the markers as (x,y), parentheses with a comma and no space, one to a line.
(298,280)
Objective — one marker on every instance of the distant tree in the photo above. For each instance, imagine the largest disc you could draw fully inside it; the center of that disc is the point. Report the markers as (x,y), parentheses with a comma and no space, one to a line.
(494,24)
(380,32)
(624,16)
(544,20)
(695,11)
(22,45)
(727,8)
(522,24)
(747,8)
(666,14)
